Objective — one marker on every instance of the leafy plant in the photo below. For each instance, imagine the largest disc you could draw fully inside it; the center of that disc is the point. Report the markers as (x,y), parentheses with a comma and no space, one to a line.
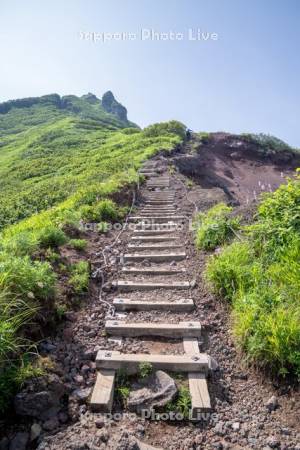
(52,236)
(215,227)
(145,369)
(78,244)
(182,403)
(79,279)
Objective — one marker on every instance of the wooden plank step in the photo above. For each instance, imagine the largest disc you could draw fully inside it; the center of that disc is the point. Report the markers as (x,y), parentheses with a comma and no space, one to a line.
(170,330)
(197,382)
(156,214)
(163,194)
(147,286)
(159,238)
(114,360)
(159,219)
(150,225)
(181,305)
(152,271)
(159,246)
(103,392)
(155,257)
(159,210)
(152,232)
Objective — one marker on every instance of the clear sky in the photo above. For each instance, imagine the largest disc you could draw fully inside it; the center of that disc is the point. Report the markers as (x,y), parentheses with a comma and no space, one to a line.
(245,80)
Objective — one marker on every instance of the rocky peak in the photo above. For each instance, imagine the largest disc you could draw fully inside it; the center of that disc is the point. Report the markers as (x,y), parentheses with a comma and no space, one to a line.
(112,106)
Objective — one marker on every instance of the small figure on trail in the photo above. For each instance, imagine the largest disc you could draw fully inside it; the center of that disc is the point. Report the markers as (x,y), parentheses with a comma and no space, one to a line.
(188,134)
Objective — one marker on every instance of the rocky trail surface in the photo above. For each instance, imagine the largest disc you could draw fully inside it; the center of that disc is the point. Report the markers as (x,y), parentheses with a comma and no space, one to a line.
(154,306)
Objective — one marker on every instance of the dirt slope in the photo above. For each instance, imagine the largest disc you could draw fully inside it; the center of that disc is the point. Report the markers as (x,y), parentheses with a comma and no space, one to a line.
(240,168)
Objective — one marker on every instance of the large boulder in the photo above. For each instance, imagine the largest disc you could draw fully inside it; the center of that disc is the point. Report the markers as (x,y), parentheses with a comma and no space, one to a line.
(153,392)
(40,397)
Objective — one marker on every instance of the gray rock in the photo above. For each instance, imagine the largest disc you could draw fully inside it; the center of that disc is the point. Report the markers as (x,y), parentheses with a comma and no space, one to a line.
(219,427)
(51,424)
(272,403)
(235,426)
(213,365)
(35,431)
(81,395)
(39,397)
(153,392)
(19,442)
(273,442)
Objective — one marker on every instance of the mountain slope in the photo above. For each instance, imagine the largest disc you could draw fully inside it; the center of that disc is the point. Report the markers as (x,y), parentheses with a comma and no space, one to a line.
(51,147)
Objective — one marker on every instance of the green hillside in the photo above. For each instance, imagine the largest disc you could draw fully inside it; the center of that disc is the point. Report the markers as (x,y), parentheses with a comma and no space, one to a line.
(61,161)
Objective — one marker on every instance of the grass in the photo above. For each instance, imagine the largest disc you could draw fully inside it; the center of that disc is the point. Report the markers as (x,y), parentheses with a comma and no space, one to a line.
(259,276)
(80,275)
(78,244)
(215,227)
(182,403)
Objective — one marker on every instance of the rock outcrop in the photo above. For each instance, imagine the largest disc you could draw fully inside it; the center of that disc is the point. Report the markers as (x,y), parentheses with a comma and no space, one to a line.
(110,105)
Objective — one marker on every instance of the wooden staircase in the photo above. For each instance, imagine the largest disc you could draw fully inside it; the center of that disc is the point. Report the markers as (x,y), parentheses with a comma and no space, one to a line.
(158,245)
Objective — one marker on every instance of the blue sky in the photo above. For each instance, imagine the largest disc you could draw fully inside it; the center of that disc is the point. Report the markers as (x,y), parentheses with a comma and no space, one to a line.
(246,80)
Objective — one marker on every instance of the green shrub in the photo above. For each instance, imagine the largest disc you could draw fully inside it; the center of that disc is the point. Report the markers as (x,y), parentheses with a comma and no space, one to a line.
(266,142)
(19,276)
(80,276)
(78,244)
(145,369)
(230,271)
(172,127)
(260,276)
(24,243)
(182,403)
(105,210)
(215,227)
(52,236)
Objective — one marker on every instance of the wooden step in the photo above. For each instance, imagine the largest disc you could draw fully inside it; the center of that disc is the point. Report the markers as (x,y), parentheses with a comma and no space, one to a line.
(103,392)
(159,219)
(159,238)
(170,330)
(152,271)
(197,382)
(181,305)
(158,209)
(153,232)
(155,257)
(147,286)
(159,246)
(114,360)
(155,214)
(172,227)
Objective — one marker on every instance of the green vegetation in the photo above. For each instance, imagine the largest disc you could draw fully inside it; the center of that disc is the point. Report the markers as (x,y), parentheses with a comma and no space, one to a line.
(145,369)
(182,403)
(62,161)
(51,236)
(260,277)
(266,142)
(204,137)
(215,227)
(78,244)
(79,279)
